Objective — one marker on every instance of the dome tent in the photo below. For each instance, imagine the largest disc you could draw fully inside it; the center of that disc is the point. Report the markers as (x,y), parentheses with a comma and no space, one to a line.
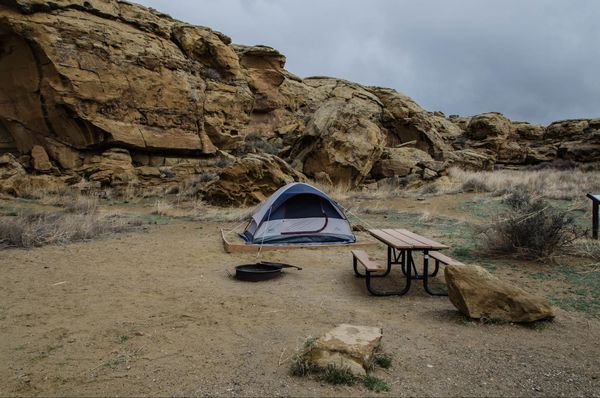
(298,213)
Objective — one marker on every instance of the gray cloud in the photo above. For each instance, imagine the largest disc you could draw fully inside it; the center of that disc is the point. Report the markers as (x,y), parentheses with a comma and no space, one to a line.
(534,60)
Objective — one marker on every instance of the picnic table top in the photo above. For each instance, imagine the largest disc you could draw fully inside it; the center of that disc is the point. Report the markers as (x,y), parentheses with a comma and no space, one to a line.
(404,239)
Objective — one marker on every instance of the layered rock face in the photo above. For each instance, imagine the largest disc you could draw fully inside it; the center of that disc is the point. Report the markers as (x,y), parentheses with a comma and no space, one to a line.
(80,78)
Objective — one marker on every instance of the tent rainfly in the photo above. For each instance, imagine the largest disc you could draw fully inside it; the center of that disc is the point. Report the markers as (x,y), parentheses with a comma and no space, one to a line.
(298,213)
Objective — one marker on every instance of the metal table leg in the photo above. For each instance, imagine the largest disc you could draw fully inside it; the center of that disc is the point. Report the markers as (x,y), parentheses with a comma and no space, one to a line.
(426,275)
(392,259)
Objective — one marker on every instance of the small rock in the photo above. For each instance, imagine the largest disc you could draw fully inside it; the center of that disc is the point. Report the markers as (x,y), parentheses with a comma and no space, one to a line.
(346,346)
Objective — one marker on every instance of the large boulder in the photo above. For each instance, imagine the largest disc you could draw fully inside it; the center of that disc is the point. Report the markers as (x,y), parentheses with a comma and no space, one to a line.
(250,180)
(114,167)
(490,127)
(480,295)
(342,138)
(400,162)
(405,121)
(347,346)
(470,159)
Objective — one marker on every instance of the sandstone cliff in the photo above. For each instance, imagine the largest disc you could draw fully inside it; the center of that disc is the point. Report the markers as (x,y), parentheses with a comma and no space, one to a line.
(121,94)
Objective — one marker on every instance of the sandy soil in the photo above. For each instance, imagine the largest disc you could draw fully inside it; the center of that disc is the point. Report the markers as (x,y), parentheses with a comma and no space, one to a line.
(156,313)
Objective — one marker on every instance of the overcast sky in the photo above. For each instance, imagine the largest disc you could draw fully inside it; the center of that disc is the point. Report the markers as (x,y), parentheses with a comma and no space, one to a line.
(533,60)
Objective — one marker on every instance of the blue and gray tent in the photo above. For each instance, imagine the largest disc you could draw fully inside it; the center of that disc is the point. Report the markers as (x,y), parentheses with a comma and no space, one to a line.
(298,213)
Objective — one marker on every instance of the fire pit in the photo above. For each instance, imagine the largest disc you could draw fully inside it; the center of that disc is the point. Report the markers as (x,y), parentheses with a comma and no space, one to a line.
(260,271)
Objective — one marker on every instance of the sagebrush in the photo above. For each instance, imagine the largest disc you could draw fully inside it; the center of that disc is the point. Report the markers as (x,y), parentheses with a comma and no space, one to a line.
(530,228)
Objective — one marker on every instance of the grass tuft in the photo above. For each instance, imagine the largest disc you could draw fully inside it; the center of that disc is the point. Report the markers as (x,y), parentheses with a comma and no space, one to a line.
(337,375)
(375,384)
(383,360)
(300,366)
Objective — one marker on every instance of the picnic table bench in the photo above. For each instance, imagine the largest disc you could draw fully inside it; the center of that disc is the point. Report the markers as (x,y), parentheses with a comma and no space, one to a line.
(401,244)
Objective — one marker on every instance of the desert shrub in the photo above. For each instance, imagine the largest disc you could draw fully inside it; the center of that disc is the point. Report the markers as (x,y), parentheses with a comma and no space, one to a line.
(475,184)
(429,189)
(255,143)
(518,198)
(530,228)
(82,205)
(63,226)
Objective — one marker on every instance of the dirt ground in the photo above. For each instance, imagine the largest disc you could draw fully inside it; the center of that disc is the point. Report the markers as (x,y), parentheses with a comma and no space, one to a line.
(155,313)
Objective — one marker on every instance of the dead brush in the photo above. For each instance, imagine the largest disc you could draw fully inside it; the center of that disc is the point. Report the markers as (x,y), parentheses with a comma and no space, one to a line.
(531,228)
(82,205)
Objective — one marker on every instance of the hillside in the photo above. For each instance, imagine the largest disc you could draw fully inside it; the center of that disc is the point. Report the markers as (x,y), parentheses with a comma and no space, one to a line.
(105,93)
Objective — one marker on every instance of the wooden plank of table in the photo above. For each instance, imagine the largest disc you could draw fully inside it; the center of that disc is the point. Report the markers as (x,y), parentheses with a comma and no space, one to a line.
(432,244)
(416,244)
(389,239)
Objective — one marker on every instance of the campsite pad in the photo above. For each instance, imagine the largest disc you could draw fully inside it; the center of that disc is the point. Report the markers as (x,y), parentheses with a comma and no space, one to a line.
(235,244)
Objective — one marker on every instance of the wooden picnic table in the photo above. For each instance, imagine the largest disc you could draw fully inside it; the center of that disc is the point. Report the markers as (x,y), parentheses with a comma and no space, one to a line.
(401,244)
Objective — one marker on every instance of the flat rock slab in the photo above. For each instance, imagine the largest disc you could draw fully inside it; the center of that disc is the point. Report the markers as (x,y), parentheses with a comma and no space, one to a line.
(480,295)
(346,346)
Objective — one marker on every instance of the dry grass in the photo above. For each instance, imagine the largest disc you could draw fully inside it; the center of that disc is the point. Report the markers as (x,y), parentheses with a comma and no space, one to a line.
(587,248)
(547,183)
(200,211)
(78,220)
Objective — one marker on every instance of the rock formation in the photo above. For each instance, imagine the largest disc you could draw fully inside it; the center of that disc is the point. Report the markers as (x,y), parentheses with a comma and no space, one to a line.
(480,295)
(251,180)
(88,86)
